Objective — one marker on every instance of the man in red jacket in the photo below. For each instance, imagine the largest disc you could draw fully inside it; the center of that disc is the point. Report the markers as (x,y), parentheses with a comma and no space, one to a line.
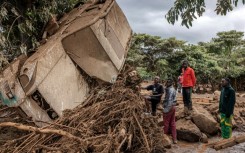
(189,81)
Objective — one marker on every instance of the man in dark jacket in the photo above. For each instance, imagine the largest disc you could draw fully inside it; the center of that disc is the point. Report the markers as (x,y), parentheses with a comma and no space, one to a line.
(155,98)
(226,107)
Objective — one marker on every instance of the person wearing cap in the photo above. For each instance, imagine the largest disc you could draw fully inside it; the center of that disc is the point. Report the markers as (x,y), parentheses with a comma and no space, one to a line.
(155,98)
(189,81)
(226,107)
(169,103)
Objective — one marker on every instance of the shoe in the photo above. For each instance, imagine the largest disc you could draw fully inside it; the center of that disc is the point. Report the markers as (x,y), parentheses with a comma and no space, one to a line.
(175,141)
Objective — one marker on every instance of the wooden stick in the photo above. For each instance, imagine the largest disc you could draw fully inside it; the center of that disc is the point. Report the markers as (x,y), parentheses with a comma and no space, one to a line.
(227,142)
(130,141)
(120,146)
(146,141)
(38,130)
(48,148)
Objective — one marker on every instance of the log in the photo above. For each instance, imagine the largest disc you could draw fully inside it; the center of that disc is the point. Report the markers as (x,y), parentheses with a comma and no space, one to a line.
(203,103)
(227,142)
(39,130)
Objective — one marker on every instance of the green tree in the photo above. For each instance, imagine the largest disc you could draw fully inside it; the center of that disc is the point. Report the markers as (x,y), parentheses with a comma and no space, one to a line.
(22,23)
(228,50)
(149,52)
(188,10)
(209,60)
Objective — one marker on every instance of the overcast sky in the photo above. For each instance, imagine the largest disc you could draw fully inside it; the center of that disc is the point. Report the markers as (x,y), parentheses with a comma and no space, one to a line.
(148,16)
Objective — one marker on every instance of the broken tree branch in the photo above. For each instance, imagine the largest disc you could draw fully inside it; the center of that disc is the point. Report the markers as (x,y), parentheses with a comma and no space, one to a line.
(38,130)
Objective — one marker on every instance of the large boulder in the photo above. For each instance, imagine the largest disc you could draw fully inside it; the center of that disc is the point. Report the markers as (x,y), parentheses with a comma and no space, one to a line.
(204,120)
(188,131)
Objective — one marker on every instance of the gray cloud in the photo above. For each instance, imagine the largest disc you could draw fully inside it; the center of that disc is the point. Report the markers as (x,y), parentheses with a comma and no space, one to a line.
(148,17)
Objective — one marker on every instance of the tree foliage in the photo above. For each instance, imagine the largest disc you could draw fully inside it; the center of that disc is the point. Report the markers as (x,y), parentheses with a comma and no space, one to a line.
(188,10)
(223,56)
(22,23)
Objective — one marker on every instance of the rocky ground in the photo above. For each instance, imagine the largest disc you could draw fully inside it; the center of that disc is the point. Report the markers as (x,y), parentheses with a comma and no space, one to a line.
(203,128)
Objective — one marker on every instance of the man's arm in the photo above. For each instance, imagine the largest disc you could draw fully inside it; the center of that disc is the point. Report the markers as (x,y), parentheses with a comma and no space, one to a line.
(220,100)
(231,103)
(193,77)
(145,88)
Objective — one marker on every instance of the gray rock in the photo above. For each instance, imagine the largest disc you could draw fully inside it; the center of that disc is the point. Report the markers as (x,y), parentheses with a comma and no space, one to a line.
(204,138)
(204,120)
(188,131)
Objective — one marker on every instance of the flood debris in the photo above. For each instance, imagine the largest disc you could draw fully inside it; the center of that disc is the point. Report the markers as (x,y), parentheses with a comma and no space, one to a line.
(110,120)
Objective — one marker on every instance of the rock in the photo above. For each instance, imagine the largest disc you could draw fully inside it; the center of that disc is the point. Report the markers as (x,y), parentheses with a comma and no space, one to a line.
(216,95)
(166,141)
(234,123)
(179,112)
(242,113)
(204,120)
(187,130)
(213,108)
(204,138)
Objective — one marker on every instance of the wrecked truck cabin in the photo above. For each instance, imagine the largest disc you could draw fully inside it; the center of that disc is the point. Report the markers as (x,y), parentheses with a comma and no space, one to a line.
(93,38)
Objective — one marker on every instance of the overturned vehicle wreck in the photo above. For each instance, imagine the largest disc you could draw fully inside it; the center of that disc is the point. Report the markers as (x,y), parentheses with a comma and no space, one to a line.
(93,38)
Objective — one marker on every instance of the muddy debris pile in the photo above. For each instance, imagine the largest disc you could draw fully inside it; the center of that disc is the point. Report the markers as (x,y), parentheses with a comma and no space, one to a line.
(110,120)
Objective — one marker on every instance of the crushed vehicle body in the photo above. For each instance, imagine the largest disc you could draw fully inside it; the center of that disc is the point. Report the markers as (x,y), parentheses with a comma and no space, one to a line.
(93,38)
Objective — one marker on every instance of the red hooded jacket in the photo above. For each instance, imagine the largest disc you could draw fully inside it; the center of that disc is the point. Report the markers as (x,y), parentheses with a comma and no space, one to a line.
(189,78)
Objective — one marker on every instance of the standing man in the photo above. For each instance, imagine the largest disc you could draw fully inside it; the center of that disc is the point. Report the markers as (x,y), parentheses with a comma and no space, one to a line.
(226,107)
(169,103)
(155,98)
(189,81)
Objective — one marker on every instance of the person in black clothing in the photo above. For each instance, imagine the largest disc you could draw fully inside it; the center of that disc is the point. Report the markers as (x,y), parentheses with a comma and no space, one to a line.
(155,98)
(226,107)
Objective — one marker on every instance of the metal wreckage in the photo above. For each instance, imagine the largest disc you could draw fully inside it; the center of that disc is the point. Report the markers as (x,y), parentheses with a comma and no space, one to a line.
(93,39)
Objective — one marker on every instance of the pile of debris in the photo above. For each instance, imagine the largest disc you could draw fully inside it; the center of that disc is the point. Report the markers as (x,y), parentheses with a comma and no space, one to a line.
(110,120)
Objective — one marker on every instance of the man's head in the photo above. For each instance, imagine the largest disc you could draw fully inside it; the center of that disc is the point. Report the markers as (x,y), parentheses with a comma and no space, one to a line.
(156,79)
(169,82)
(225,82)
(185,64)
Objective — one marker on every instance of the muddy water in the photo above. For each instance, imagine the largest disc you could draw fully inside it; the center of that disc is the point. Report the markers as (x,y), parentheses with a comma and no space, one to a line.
(185,147)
